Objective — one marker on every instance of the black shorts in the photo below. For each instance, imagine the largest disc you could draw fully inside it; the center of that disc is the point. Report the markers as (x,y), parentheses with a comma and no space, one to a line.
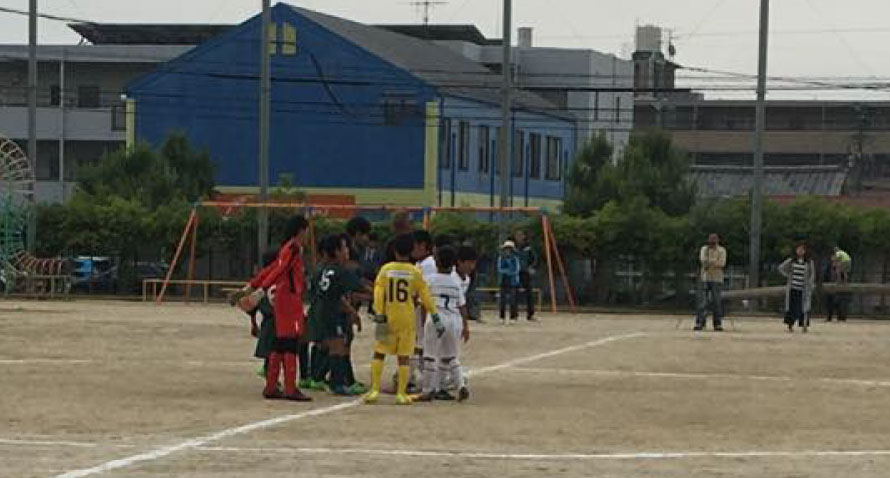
(288,345)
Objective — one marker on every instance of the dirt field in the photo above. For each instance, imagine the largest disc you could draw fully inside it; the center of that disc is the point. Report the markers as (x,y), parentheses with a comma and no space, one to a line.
(132,390)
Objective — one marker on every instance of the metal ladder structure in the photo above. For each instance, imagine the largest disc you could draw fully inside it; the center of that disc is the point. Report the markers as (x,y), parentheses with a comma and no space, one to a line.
(20,271)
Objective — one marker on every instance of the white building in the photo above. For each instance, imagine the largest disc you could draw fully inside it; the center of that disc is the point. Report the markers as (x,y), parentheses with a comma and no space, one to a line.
(80,112)
(595,87)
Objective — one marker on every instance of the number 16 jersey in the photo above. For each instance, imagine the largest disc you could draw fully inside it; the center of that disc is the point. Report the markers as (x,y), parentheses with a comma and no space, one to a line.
(396,287)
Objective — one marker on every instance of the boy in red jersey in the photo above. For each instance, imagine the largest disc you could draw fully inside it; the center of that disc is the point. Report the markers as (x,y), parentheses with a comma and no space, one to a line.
(287,275)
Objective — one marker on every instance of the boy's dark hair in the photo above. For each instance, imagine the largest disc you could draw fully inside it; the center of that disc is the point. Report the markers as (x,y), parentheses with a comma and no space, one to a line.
(403,244)
(329,245)
(423,237)
(445,257)
(295,225)
(358,225)
(467,253)
(443,240)
(269,257)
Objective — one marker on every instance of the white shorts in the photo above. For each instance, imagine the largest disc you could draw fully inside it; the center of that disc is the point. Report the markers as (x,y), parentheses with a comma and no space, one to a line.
(447,346)
(419,331)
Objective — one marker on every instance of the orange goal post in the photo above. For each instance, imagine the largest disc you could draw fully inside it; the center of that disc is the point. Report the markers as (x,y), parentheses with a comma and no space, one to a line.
(554,260)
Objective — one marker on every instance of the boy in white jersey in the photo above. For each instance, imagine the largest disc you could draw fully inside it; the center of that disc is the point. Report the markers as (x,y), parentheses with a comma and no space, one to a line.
(423,255)
(441,352)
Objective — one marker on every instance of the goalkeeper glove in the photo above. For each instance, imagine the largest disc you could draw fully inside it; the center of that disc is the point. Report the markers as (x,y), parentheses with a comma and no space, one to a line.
(437,323)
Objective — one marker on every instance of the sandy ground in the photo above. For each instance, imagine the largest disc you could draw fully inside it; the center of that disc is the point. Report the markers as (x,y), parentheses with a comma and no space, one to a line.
(134,390)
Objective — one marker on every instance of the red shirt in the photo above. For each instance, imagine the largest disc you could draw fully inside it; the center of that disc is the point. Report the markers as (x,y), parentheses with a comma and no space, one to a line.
(286,274)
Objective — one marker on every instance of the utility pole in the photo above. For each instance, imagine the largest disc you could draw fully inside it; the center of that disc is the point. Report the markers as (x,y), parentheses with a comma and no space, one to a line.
(760,119)
(506,141)
(265,108)
(32,114)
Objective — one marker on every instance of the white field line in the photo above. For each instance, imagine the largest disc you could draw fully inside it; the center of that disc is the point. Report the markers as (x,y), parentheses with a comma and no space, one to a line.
(197,442)
(59,443)
(654,455)
(29,361)
(705,376)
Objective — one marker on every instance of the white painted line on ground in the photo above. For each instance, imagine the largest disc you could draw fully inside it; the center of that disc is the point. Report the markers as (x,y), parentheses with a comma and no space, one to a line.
(705,376)
(554,457)
(56,443)
(42,361)
(198,442)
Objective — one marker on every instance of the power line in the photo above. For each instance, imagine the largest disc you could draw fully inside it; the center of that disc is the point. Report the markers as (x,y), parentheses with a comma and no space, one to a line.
(47,16)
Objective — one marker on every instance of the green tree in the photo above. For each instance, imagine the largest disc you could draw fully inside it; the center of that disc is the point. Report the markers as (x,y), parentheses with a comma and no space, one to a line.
(650,168)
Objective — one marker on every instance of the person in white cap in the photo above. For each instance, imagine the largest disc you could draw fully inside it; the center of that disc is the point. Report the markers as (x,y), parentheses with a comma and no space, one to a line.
(508,274)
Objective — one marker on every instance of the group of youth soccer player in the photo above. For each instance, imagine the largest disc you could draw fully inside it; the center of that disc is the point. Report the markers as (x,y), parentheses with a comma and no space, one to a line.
(415,294)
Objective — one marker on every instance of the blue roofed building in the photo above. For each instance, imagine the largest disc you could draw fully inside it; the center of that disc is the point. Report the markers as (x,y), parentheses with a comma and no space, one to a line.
(359,113)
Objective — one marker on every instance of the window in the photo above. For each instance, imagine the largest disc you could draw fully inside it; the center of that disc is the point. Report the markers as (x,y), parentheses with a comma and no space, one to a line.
(484,149)
(55,95)
(617,109)
(496,148)
(534,160)
(88,96)
(463,160)
(554,154)
(518,156)
(398,108)
(445,157)
(289,40)
(596,106)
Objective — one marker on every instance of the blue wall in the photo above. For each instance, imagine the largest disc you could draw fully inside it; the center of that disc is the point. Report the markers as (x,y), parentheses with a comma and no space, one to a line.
(454,180)
(327,133)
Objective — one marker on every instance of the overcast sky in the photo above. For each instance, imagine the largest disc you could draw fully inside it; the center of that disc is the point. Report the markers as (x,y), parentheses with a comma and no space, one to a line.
(811,38)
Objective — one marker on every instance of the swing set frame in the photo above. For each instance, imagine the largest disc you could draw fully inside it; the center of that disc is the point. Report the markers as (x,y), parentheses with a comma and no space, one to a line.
(312,211)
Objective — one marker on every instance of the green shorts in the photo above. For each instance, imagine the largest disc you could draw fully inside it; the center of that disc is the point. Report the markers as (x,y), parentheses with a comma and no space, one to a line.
(265,342)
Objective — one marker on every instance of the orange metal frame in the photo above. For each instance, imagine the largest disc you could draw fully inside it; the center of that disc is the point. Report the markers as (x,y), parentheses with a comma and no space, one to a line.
(551,249)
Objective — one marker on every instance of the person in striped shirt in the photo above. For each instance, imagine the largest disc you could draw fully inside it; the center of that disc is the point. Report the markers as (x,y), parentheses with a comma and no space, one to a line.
(800,273)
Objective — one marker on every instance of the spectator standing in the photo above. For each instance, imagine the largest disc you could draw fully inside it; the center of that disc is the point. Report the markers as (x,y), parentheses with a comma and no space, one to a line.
(508,274)
(528,261)
(801,275)
(712,257)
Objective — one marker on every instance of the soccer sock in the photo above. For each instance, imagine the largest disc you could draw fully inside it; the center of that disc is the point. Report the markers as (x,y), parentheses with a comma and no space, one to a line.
(415,367)
(457,373)
(272,372)
(350,372)
(337,372)
(376,372)
(290,373)
(403,380)
(430,378)
(305,365)
(320,364)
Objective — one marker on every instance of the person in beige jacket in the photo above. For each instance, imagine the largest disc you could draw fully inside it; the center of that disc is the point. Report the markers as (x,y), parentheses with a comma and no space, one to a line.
(712,257)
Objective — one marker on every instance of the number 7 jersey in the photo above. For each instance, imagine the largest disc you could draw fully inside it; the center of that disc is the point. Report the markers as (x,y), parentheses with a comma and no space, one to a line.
(397,286)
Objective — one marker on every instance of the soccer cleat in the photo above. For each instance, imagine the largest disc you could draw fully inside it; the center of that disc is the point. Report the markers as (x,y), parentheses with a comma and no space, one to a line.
(403,400)
(463,394)
(413,389)
(344,391)
(261,371)
(698,328)
(423,397)
(444,396)
(371,397)
(718,329)
(306,383)
(358,388)
(297,396)
(317,385)
(276,395)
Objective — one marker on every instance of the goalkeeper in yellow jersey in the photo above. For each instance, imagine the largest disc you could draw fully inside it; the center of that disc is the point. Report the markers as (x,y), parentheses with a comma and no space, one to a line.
(398,285)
